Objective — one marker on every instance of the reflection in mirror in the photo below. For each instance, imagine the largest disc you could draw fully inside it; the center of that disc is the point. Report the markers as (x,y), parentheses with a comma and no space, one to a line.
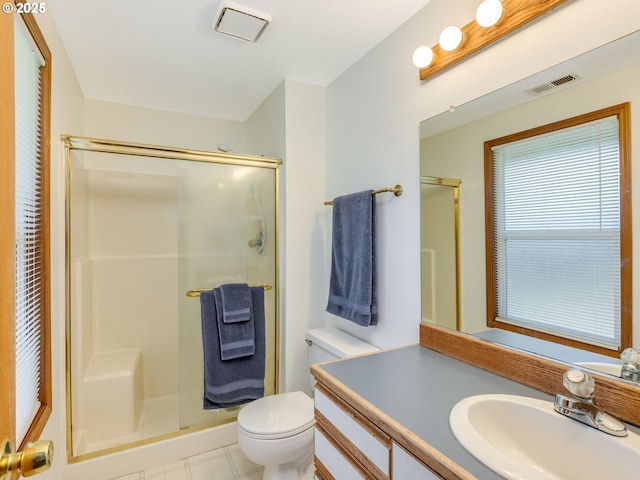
(452,146)
(557,203)
(439,250)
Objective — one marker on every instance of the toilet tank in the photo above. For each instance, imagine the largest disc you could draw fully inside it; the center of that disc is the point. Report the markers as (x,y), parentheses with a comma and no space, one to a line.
(329,343)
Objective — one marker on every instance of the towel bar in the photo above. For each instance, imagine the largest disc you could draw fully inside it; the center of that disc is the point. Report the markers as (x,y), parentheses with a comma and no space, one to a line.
(196,291)
(397,191)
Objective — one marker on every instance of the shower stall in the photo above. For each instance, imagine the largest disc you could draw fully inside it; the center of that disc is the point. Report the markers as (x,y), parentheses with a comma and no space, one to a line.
(147,228)
(440,250)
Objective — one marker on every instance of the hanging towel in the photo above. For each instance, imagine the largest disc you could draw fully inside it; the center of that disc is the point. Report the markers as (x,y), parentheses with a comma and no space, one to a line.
(353,287)
(236,302)
(236,339)
(228,383)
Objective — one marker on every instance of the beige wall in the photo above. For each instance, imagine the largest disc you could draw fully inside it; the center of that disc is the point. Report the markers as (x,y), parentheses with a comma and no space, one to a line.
(130,123)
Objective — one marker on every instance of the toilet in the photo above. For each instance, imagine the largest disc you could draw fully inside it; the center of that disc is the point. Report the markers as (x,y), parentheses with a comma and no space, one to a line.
(277,431)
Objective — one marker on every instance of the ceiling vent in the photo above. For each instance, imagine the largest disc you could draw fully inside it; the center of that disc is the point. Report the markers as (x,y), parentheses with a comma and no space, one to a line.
(553,84)
(240,22)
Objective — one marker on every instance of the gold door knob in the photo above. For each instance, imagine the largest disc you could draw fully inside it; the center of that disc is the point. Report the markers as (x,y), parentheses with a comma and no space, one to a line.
(35,458)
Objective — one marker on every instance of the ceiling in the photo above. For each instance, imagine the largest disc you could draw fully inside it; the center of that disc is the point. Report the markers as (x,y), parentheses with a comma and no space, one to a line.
(165,54)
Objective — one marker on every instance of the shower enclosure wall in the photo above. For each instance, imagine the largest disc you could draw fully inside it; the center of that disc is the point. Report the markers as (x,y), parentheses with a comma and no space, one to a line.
(146,225)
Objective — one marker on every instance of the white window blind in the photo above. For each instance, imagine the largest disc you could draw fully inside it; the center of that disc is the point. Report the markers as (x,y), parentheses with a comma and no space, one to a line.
(557,233)
(28,211)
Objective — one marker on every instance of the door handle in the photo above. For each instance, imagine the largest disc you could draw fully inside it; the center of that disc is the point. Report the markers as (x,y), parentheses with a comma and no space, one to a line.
(35,458)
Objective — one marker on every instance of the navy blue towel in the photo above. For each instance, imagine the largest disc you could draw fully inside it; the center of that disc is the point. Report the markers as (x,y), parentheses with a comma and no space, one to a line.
(228,383)
(236,302)
(353,288)
(237,339)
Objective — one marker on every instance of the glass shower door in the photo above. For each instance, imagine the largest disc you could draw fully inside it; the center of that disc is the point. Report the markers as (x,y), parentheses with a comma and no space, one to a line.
(228,227)
(146,225)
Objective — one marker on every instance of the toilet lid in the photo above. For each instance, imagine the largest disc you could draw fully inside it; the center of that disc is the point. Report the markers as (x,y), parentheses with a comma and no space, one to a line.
(277,416)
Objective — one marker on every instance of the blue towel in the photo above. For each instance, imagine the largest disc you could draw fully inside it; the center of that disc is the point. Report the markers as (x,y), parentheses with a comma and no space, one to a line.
(353,288)
(236,339)
(236,302)
(232,382)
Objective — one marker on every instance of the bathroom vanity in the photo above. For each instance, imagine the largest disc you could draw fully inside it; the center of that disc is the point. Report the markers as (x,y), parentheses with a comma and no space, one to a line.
(386,416)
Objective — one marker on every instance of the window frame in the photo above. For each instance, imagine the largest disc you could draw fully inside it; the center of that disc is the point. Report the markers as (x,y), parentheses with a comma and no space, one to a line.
(45,383)
(623,113)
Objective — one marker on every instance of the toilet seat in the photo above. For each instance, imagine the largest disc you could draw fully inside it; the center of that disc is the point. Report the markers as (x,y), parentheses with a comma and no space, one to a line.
(277,416)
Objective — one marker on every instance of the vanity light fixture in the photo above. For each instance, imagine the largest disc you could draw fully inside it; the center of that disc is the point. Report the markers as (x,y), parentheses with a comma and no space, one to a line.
(458,43)
(423,56)
(451,38)
(489,13)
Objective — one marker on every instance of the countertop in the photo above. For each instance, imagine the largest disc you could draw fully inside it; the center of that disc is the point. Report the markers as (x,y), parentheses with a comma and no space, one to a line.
(417,388)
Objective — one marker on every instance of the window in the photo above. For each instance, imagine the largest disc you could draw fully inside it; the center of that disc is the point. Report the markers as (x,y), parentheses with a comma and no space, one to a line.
(32,85)
(559,231)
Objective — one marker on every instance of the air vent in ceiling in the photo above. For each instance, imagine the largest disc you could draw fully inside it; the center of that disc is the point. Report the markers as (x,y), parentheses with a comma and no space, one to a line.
(553,84)
(240,22)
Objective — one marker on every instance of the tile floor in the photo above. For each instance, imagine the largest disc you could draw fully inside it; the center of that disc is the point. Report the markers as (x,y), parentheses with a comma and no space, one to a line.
(227,463)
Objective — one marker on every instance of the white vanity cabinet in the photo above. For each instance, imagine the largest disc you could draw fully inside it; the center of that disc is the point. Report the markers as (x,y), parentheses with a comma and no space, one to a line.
(406,466)
(386,415)
(348,446)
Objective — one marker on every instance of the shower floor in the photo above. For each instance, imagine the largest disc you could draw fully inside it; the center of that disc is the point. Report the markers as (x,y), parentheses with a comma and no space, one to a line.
(159,416)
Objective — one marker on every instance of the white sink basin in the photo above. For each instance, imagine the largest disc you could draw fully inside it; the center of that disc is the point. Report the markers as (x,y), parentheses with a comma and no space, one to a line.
(602,367)
(524,438)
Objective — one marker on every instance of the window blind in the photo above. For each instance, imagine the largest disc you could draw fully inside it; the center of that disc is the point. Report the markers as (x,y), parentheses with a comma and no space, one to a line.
(557,231)
(29,225)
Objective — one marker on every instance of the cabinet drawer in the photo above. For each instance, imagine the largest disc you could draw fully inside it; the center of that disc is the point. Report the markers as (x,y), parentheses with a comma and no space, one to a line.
(330,464)
(363,440)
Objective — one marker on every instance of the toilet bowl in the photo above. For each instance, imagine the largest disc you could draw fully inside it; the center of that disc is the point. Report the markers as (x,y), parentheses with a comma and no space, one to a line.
(278,431)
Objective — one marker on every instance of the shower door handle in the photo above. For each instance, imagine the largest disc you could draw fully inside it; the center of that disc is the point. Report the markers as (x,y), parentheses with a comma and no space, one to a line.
(35,458)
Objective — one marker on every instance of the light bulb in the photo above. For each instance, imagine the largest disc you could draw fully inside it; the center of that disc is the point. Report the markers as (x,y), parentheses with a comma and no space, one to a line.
(489,13)
(451,38)
(422,57)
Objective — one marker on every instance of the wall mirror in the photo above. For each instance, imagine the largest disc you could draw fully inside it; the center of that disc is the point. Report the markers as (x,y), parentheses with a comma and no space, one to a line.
(452,147)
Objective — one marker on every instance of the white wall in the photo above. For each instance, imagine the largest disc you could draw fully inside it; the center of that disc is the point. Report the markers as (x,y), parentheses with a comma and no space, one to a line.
(305,225)
(265,128)
(290,124)
(130,123)
(66,116)
(374,109)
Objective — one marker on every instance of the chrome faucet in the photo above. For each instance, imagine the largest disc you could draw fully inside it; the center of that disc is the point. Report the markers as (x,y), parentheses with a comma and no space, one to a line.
(581,406)
(630,364)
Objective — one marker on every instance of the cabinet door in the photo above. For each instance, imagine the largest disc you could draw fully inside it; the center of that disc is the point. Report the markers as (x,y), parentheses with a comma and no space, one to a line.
(405,466)
(365,446)
(332,464)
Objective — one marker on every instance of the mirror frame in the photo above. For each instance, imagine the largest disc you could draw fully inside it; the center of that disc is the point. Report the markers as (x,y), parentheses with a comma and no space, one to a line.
(615,396)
